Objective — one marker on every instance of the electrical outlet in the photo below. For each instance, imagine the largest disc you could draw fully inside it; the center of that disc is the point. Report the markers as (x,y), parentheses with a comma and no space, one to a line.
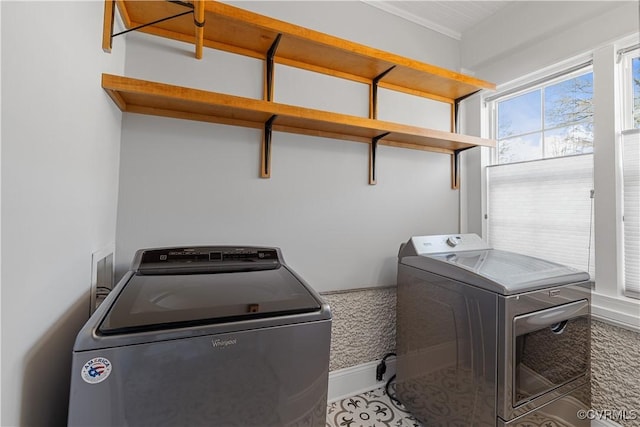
(102,276)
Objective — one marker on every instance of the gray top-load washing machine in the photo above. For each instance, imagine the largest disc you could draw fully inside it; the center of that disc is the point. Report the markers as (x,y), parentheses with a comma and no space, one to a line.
(215,336)
(490,338)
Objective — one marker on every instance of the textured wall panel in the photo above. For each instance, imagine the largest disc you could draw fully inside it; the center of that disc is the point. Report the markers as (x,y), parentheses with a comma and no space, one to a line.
(364,325)
(616,371)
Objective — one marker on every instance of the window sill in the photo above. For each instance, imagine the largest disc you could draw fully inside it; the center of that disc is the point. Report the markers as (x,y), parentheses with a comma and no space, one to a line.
(619,311)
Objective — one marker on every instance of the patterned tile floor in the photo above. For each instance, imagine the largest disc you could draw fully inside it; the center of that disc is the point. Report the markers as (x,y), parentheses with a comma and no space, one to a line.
(370,409)
(376,409)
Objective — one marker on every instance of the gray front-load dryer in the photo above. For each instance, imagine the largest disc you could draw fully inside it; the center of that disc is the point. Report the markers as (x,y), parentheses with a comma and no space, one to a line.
(215,336)
(490,338)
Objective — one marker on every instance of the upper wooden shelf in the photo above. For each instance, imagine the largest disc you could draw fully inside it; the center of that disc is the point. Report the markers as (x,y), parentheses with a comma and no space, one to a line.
(146,97)
(240,31)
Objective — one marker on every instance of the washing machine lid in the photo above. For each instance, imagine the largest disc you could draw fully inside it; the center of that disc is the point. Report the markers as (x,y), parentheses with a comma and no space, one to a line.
(503,272)
(153,302)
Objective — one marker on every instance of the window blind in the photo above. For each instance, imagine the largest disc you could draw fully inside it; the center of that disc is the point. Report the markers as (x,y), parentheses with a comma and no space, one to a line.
(543,208)
(631,200)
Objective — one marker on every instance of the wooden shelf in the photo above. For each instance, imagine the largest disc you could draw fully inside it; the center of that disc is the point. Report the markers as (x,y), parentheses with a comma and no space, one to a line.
(224,27)
(160,99)
(240,31)
(146,97)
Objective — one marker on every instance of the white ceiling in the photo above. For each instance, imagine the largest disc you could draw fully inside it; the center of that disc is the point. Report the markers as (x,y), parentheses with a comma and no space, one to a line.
(451,17)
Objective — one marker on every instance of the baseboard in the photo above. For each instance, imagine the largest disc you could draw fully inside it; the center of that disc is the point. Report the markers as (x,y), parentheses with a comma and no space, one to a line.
(357,379)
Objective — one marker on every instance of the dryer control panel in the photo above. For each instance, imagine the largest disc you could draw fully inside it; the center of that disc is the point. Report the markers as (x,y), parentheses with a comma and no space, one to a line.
(428,245)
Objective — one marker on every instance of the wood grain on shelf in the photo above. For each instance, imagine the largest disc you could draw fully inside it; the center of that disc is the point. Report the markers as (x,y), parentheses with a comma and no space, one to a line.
(240,31)
(146,97)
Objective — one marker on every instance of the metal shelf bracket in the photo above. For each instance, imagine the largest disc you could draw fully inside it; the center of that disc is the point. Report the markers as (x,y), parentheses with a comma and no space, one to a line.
(181,3)
(373,148)
(455,168)
(455,157)
(269,68)
(373,110)
(265,152)
(456,110)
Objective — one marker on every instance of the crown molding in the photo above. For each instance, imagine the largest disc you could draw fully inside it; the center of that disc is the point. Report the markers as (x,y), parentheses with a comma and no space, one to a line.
(389,8)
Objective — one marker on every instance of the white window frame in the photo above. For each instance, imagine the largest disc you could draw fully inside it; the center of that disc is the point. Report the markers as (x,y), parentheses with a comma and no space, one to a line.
(624,60)
(608,301)
(624,57)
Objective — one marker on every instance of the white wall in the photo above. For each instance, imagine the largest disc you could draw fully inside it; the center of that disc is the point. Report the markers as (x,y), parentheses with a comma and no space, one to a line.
(184,182)
(60,153)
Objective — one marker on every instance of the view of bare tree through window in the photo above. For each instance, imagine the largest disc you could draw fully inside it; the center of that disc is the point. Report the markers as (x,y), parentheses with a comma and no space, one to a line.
(552,121)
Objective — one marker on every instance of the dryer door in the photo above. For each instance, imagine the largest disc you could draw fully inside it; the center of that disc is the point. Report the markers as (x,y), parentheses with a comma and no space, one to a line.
(551,348)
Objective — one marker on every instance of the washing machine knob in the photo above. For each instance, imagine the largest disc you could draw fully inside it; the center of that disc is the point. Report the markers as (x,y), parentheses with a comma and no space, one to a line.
(453,241)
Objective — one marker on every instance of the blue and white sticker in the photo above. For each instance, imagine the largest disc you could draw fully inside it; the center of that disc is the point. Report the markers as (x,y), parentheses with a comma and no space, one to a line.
(96,370)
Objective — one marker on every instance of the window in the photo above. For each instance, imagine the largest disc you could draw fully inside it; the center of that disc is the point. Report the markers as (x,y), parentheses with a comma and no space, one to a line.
(539,188)
(541,204)
(630,61)
(552,121)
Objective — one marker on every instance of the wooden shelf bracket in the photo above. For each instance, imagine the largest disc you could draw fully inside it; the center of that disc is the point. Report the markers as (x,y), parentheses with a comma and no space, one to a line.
(107,25)
(373,148)
(265,152)
(198,21)
(269,68)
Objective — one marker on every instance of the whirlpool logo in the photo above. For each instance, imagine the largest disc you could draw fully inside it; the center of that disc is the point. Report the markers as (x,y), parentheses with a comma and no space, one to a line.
(223,343)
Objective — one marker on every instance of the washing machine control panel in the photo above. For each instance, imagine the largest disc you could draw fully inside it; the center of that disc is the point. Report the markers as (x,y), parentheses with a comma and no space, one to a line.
(426,245)
(205,258)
